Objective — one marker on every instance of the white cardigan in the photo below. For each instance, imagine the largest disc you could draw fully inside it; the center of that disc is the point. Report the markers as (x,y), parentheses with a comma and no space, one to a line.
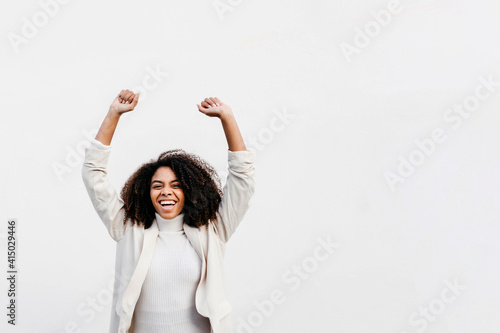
(167,299)
(135,245)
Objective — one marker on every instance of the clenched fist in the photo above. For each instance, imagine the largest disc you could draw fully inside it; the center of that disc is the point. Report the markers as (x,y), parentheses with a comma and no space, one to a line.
(125,101)
(213,107)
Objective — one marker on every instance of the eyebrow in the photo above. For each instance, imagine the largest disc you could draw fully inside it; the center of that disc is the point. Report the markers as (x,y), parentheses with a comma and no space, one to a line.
(159,181)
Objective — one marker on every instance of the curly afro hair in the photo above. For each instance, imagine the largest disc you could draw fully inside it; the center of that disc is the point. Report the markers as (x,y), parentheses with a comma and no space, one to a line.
(199,181)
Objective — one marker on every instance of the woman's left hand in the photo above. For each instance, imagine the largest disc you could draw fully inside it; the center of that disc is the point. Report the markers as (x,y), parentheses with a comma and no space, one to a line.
(213,107)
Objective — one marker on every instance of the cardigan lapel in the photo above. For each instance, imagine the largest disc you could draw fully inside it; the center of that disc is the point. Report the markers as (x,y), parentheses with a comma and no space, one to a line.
(131,294)
(193,234)
(199,241)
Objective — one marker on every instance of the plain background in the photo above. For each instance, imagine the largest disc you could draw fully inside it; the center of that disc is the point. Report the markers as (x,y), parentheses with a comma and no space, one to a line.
(326,128)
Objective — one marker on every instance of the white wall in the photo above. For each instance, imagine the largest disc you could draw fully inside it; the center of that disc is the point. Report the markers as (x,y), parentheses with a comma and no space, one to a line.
(331,114)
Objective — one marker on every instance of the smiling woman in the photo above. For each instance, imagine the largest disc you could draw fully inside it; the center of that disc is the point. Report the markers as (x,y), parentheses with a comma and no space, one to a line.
(166,193)
(171,225)
(176,175)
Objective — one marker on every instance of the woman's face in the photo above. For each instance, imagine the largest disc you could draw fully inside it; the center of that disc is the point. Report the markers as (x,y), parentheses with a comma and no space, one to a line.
(166,189)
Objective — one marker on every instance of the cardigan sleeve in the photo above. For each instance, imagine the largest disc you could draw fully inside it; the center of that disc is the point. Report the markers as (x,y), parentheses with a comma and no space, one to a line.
(237,192)
(108,205)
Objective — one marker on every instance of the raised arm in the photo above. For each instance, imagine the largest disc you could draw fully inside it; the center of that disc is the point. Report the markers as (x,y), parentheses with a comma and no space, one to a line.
(240,184)
(213,107)
(124,102)
(102,194)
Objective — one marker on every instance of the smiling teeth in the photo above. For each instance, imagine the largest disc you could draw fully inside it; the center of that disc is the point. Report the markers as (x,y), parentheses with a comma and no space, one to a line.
(165,202)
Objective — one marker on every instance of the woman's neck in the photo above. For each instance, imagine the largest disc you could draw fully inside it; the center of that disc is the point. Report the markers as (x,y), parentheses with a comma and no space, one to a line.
(174,224)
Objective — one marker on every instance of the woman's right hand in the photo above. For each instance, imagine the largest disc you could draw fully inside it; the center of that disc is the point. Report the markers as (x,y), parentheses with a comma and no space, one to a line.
(125,101)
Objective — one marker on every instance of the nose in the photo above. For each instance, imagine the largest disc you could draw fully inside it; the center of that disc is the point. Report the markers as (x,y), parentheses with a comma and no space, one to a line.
(165,191)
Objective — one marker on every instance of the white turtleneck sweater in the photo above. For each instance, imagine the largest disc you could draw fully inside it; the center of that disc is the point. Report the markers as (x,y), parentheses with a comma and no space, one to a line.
(167,300)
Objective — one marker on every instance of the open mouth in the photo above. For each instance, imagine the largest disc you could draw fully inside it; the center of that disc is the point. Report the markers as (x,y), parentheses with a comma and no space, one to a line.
(168,204)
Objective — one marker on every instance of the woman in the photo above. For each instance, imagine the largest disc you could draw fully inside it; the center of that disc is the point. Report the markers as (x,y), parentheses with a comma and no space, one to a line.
(171,226)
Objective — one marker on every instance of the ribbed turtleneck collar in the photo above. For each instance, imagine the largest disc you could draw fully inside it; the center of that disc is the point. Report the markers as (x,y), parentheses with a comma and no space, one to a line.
(170,225)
